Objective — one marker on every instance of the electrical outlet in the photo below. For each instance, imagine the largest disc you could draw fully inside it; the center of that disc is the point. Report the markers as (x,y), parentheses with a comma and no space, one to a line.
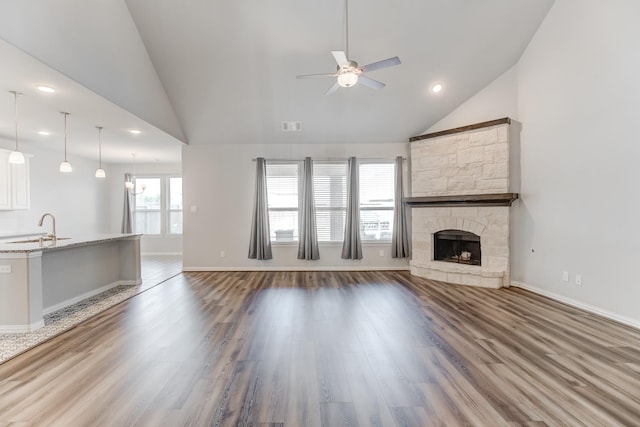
(223,254)
(5,268)
(194,209)
(565,276)
(579,279)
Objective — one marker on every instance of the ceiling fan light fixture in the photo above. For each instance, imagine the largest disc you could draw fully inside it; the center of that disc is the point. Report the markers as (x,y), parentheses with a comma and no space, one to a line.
(348,72)
(347,78)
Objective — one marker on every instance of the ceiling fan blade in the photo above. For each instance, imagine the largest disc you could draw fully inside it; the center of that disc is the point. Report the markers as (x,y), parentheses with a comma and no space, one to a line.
(339,56)
(390,62)
(373,84)
(306,76)
(332,89)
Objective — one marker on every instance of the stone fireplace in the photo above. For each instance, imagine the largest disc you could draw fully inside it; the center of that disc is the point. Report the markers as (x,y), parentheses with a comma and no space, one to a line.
(460,205)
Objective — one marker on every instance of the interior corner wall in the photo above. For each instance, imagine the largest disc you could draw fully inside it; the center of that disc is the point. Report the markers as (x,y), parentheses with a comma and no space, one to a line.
(574,97)
(497,100)
(578,102)
(98,45)
(148,244)
(78,200)
(219,182)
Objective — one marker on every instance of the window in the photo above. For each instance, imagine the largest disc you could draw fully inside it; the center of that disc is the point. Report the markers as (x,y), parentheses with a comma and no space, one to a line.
(330,193)
(147,206)
(175,205)
(283,188)
(376,200)
(158,209)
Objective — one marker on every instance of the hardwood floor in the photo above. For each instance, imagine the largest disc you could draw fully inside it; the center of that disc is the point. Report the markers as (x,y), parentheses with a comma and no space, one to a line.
(331,349)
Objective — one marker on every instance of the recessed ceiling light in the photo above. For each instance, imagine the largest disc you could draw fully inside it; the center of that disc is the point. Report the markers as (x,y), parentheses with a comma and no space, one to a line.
(45,89)
(436,88)
(135,131)
(44,132)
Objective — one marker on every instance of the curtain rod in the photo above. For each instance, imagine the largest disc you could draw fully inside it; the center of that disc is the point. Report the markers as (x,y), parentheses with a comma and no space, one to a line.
(343,159)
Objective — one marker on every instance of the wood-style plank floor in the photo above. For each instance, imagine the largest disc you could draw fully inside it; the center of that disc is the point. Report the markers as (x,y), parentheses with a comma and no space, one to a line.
(331,349)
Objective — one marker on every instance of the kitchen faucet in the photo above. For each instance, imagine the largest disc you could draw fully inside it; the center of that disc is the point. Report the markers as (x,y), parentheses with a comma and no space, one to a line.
(53,235)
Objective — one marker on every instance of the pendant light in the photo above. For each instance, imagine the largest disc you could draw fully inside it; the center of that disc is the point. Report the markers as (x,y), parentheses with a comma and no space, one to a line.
(129,185)
(100,172)
(16,157)
(65,166)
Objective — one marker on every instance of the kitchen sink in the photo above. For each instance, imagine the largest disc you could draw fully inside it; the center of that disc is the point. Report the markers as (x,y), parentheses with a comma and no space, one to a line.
(44,239)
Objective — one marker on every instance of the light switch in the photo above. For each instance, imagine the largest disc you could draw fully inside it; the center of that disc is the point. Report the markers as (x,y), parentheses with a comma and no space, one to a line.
(194,209)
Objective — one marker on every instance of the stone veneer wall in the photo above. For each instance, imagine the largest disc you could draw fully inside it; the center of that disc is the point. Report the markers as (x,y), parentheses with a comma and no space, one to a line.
(473,162)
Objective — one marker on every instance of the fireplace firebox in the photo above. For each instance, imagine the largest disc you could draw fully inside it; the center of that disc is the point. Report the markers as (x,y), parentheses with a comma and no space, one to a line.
(457,246)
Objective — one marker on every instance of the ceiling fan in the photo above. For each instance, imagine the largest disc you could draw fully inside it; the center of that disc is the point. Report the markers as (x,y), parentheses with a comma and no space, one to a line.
(348,72)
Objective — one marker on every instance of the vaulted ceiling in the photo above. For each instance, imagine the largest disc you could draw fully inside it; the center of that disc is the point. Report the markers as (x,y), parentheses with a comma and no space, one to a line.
(211,71)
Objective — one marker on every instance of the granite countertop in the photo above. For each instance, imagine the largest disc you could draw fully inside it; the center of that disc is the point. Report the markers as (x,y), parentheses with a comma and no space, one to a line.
(61,243)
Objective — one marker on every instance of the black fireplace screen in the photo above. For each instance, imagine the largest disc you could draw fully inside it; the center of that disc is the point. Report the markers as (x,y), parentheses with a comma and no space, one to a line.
(457,246)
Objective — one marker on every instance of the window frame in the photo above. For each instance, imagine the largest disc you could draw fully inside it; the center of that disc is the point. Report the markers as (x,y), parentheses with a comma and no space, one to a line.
(164,209)
(375,208)
(300,164)
(168,206)
(332,209)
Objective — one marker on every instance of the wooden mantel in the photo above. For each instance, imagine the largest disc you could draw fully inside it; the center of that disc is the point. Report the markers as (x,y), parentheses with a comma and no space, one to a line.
(504,120)
(500,199)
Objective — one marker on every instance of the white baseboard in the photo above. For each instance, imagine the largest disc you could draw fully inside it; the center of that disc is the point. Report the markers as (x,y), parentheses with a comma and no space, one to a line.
(372,268)
(160,253)
(21,329)
(579,304)
(70,301)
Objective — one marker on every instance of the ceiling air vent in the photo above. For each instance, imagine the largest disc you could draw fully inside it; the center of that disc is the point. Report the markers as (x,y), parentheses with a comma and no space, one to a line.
(291,126)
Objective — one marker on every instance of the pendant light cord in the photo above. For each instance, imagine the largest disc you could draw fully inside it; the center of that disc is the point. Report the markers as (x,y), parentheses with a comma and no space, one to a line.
(16,95)
(100,145)
(65,135)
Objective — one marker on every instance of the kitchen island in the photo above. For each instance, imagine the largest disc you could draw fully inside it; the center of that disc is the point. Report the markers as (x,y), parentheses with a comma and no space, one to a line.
(38,277)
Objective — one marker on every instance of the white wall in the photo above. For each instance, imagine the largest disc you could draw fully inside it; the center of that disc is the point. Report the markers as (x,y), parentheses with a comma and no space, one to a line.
(579,103)
(220,181)
(148,244)
(577,92)
(78,200)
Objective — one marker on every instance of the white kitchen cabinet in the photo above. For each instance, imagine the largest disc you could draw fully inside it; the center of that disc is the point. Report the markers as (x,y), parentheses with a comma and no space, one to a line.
(14,183)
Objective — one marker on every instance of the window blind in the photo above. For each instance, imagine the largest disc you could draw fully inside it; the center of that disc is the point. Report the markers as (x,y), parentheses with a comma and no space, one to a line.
(283,186)
(330,191)
(376,200)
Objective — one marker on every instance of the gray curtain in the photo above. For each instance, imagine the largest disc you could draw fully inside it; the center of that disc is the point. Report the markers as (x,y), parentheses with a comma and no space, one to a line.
(352,245)
(260,242)
(127,211)
(400,247)
(308,243)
